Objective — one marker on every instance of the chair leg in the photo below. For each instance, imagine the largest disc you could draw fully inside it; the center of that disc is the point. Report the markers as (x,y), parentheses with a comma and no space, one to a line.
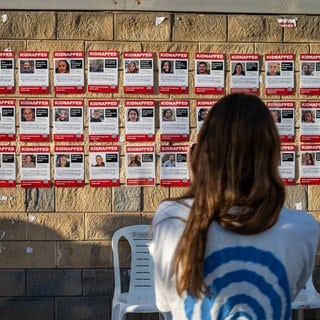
(300,314)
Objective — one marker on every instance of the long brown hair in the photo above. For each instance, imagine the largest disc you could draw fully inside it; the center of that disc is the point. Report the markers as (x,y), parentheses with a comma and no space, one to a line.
(234,164)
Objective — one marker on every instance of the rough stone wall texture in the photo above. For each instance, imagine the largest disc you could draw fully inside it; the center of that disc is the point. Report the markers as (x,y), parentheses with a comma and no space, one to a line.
(55,244)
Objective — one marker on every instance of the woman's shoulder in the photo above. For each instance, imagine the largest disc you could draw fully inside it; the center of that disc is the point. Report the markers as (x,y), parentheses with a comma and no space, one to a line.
(176,209)
(299,220)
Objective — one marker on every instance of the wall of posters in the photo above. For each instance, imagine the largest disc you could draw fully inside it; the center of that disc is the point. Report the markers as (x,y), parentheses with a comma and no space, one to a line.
(103,71)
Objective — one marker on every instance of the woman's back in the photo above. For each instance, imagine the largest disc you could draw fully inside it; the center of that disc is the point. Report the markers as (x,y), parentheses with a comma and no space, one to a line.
(249,275)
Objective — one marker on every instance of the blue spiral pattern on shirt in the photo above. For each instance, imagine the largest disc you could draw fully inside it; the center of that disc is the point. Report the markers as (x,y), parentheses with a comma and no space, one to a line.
(254,256)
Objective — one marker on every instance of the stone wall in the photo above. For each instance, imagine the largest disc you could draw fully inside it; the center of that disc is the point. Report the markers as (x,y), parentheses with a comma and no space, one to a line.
(55,253)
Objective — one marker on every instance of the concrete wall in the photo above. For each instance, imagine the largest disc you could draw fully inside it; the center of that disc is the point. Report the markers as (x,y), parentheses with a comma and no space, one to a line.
(68,272)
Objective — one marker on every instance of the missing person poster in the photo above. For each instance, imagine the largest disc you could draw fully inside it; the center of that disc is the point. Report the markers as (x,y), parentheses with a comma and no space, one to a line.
(68,120)
(33,72)
(310,121)
(310,163)
(104,166)
(173,72)
(174,120)
(287,164)
(34,120)
(69,166)
(279,74)
(138,72)
(283,114)
(35,166)
(140,166)
(244,73)
(7,72)
(68,72)
(209,74)
(103,120)
(202,108)
(7,166)
(103,71)
(7,120)
(140,120)
(173,166)
(310,74)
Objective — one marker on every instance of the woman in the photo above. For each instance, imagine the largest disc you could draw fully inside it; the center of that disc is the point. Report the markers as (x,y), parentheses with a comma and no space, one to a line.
(132,67)
(99,162)
(167,115)
(133,115)
(166,66)
(228,249)
(238,70)
(62,161)
(62,66)
(307,116)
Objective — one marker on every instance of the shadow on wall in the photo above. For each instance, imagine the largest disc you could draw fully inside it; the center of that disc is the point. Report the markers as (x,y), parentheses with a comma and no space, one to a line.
(57,278)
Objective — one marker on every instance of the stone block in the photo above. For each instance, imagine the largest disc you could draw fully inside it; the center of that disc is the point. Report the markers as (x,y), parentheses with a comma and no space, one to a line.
(97,282)
(199,27)
(101,226)
(82,308)
(55,282)
(12,283)
(40,199)
(297,196)
(84,254)
(307,30)
(56,226)
(28,25)
(27,254)
(152,197)
(84,199)
(253,28)
(142,27)
(15,200)
(13,226)
(93,25)
(127,199)
(27,308)
(14,45)
(313,198)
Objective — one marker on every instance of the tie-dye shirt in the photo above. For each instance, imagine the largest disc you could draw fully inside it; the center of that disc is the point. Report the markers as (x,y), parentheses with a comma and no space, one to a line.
(250,277)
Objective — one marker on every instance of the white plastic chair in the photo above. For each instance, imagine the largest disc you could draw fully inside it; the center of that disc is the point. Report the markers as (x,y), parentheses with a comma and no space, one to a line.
(308,298)
(141,295)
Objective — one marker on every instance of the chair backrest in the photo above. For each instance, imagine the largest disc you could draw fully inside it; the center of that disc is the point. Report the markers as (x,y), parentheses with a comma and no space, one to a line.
(141,288)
